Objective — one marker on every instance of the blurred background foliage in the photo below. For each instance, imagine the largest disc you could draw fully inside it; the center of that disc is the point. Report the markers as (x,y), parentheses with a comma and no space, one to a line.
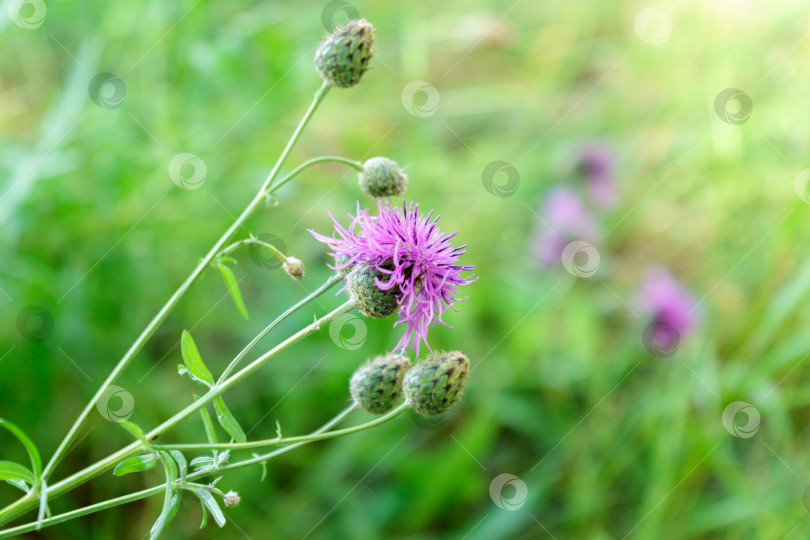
(609,440)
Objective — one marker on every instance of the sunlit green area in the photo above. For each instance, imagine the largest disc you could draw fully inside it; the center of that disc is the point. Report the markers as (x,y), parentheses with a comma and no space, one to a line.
(609,440)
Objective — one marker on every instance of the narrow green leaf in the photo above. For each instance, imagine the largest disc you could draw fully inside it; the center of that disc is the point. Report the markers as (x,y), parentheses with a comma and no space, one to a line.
(233,288)
(19,484)
(170,465)
(193,361)
(181,463)
(202,460)
(30,447)
(15,471)
(135,431)
(227,420)
(208,424)
(208,500)
(204,516)
(135,464)
(170,506)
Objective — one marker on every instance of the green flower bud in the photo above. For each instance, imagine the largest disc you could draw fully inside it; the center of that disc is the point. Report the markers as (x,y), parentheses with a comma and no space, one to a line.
(434,385)
(343,57)
(371,300)
(381,177)
(377,384)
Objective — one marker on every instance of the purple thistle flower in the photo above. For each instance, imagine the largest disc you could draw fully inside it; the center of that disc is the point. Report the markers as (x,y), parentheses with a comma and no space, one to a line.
(596,163)
(667,301)
(565,218)
(415,255)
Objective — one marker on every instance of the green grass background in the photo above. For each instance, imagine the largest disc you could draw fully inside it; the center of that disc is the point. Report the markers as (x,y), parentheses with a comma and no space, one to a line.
(608,439)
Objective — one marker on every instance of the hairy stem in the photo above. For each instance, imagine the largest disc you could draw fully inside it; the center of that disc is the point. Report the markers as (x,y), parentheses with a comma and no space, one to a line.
(28,527)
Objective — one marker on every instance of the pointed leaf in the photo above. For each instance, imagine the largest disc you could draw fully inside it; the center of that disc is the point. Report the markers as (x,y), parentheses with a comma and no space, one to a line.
(181,463)
(233,288)
(170,465)
(170,506)
(135,431)
(202,460)
(204,516)
(15,471)
(19,484)
(227,420)
(208,500)
(193,361)
(135,464)
(208,424)
(30,447)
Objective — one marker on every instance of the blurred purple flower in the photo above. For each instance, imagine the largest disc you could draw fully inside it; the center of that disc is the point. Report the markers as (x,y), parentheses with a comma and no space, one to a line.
(565,218)
(596,162)
(667,301)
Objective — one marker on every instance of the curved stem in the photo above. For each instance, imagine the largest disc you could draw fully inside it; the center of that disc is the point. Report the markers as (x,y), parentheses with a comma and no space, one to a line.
(320,94)
(287,440)
(255,242)
(28,527)
(323,159)
(335,278)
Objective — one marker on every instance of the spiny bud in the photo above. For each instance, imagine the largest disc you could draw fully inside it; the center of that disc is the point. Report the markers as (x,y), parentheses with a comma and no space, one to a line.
(371,300)
(382,177)
(231,499)
(343,57)
(377,384)
(434,385)
(294,268)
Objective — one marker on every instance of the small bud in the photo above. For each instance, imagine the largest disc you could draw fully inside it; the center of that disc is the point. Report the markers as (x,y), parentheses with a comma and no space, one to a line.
(371,300)
(434,385)
(294,268)
(377,384)
(382,177)
(231,499)
(343,57)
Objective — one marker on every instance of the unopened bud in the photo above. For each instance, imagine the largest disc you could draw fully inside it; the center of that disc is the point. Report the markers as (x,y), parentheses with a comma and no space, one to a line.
(231,499)
(371,300)
(294,268)
(434,385)
(377,384)
(382,177)
(343,57)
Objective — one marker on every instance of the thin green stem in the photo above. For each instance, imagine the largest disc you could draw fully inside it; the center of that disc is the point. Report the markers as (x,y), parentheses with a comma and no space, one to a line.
(323,159)
(255,242)
(110,461)
(335,278)
(320,94)
(286,440)
(28,527)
